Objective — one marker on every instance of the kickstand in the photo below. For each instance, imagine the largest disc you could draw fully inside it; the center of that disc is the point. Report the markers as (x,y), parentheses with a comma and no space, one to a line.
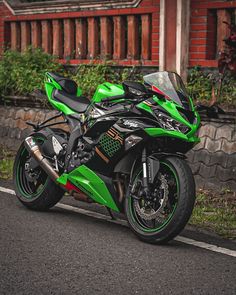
(111,213)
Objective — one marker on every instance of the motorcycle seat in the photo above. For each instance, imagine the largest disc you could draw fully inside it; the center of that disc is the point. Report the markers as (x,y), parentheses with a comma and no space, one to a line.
(66,84)
(78,104)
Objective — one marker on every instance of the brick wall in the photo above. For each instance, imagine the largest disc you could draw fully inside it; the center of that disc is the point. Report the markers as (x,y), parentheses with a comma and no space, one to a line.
(207,30)
(4,30)
(213,160)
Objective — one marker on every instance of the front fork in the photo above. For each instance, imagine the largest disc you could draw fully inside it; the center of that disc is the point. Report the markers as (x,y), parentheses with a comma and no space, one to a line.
(145,172)
(151,166)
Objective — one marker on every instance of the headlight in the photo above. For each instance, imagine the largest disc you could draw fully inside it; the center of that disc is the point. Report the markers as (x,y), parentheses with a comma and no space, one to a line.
(171,124)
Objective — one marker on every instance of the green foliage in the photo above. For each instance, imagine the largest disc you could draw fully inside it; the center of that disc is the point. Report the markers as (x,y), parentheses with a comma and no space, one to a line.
(228,92)
(216,212)
(6,163)
(21,73)
(200,83)
(88,77)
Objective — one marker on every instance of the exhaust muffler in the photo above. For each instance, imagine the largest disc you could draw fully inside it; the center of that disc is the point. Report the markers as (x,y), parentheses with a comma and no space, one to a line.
(35,152)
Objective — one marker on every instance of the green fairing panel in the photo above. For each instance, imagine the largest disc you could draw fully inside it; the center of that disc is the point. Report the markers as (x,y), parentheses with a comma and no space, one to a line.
(91,184)
(50,85)
(105,90)
(144,107)
(171,108)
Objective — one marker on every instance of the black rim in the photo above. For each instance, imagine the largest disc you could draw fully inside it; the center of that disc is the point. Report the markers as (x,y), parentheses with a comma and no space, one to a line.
(29,183)
(156,224)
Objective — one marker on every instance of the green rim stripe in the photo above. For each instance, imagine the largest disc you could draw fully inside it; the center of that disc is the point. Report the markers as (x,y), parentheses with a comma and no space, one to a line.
(169,218)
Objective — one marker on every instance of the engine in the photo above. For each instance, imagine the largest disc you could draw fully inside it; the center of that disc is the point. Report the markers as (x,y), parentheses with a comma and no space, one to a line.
(83,153)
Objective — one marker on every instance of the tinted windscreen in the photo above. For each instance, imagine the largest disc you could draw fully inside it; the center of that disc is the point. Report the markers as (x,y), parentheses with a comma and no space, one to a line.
(171,85)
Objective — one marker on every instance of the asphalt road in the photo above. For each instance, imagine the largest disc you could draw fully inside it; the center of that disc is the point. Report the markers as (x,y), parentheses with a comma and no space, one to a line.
(62,252)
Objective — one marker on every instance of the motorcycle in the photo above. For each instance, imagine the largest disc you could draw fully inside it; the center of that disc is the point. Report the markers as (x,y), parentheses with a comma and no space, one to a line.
(124,149)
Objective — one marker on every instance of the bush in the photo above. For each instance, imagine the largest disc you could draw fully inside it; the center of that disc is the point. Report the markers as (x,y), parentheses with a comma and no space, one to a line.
(21,73)
(200,83)
(88,77)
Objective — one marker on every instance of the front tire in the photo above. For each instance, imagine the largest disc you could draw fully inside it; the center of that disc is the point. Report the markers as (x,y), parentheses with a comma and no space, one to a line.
(175,203)
(40,193)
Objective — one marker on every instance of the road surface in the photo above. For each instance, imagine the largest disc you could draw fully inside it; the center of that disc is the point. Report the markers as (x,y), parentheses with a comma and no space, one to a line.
(67,252)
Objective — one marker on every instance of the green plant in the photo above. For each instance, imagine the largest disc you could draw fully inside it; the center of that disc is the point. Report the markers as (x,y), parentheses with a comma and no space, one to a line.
(88,77)
(6,163)
(216,212)
(201,84)
(21,73)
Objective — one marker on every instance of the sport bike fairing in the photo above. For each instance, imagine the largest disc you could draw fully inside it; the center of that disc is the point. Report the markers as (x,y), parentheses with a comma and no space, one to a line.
(124,149)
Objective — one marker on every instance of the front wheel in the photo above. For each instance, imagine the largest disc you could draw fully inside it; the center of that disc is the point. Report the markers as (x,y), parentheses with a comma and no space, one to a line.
(161,216)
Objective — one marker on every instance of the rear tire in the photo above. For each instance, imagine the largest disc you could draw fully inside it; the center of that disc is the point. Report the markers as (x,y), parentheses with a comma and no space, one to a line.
(41,196)
(181,210)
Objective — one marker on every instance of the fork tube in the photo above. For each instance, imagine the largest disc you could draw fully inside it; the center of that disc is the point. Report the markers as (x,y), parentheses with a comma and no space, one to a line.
(145,171)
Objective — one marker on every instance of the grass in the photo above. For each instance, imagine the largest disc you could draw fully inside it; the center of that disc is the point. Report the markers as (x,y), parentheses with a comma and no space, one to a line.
(6,163)
(216,211)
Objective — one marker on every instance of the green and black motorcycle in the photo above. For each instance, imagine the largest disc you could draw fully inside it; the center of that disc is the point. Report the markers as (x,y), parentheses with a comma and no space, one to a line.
(124,149)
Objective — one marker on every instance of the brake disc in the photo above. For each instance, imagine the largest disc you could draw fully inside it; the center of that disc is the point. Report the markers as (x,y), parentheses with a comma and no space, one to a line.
(150,213)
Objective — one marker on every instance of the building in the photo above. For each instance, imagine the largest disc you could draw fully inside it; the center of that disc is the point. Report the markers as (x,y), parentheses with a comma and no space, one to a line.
(169,34)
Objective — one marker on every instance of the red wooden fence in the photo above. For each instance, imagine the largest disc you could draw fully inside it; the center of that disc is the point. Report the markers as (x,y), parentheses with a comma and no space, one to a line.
(127,36)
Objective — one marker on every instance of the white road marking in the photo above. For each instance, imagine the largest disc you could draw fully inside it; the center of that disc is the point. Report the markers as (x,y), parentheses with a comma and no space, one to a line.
(206,246)
(7,190)
(181,239)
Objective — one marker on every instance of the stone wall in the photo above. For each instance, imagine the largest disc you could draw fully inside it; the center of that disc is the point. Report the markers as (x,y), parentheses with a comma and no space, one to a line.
(13,127)
(213,160)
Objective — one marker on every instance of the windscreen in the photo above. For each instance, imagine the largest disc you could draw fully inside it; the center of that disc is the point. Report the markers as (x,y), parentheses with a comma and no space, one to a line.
(171,85)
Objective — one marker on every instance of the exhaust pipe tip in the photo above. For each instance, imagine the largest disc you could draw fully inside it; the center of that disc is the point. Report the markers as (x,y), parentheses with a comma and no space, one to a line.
(35,152)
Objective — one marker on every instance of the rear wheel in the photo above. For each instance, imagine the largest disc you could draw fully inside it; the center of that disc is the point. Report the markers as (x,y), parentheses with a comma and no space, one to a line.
(33,187)
(162,215)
